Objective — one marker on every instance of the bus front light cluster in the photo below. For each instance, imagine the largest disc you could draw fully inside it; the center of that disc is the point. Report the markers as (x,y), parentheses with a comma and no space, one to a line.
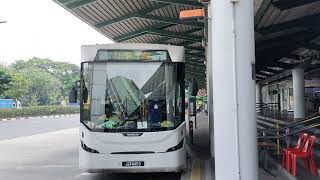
(179,146)
(86,148)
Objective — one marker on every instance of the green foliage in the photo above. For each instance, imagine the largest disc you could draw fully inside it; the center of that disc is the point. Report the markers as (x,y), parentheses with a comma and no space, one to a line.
(66,73)
(19,86)
(40,81)
(33,101)
(37,111)
(5,79)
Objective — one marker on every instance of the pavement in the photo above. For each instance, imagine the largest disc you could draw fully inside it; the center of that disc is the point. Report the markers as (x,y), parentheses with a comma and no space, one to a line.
(47,149)
(203,164)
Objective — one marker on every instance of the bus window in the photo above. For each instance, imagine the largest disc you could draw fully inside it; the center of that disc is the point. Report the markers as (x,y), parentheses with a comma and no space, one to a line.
(133,96)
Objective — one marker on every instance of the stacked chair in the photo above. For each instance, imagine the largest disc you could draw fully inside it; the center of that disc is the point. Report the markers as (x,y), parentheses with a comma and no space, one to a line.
(304,150)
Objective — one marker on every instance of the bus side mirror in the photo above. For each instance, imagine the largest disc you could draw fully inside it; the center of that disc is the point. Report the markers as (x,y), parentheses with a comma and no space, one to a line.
(85,95)
(73,95)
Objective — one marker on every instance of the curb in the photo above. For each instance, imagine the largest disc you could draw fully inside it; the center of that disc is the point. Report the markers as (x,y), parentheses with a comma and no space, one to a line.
(21,118)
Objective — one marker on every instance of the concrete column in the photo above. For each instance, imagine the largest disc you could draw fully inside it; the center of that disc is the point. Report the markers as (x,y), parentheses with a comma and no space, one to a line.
(234,90)
(209,83)
(299,105)
(258,94)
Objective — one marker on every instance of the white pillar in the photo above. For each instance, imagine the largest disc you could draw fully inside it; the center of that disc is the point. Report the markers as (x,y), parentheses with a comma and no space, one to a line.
(258,93)
(209,83)
(298,93)
(234,90)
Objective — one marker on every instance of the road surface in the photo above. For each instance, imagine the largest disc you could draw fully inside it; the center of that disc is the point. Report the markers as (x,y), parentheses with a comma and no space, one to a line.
(47,149)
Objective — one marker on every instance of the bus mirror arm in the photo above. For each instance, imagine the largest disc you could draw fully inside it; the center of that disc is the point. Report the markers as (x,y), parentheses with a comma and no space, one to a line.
(73,93)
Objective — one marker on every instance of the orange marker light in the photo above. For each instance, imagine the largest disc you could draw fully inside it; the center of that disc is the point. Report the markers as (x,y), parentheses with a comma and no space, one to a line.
(192,14)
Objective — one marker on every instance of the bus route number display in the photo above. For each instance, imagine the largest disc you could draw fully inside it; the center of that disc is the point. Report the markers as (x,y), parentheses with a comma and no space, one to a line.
(145,55)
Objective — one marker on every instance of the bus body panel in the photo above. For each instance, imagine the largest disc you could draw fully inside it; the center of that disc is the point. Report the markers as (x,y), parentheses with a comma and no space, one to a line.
(110,96)
(109,145)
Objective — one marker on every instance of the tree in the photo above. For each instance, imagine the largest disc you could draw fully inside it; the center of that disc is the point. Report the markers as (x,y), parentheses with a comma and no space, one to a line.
(66,73)
(44,86)
(19,86)
(5,80)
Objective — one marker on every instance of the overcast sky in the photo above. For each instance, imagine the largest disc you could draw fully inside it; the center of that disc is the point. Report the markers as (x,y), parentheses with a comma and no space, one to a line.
(43,29)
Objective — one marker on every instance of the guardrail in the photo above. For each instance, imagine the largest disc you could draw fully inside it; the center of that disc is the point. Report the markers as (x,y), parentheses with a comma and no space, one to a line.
(276,132)
(260,107)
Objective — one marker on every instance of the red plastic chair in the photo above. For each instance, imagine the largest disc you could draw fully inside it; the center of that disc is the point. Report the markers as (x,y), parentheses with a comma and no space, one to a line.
(307,155)
(298,147)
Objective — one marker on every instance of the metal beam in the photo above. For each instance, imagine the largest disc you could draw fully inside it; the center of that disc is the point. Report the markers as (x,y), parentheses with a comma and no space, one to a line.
(170,20)
(158,32)
(143,15)
(194,48)
(261,11)
(180,2)
(77,3)
(130,15)
(288,4)
(195,61)
(306,21)
(195,67)
(200,55)
(194,75)
(199,71)
(143,31)
(194,72)
(164,39)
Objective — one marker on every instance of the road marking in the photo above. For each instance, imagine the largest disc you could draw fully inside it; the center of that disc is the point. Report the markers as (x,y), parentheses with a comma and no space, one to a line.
(196,170)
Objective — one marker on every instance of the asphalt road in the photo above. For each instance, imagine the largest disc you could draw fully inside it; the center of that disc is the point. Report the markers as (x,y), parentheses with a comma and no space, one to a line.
(47,149)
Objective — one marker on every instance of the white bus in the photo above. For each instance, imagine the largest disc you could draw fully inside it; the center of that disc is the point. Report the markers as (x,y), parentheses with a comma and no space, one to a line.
(132,108)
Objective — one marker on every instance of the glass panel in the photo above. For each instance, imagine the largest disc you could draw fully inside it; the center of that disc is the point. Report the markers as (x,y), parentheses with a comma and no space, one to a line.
(146,55)
(133,96)
(85,94)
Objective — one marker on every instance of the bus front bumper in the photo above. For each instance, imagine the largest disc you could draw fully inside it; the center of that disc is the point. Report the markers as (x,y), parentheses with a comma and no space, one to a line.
(174,161)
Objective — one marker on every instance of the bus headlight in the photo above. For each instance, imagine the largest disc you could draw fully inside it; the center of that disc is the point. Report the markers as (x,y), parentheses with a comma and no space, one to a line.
(179,146)
(86,148)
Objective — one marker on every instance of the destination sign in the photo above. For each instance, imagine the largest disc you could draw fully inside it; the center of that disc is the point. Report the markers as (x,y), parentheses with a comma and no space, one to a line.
(132,55)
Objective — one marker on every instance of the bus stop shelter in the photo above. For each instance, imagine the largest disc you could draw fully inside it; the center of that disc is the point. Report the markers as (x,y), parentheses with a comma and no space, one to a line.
(238,45)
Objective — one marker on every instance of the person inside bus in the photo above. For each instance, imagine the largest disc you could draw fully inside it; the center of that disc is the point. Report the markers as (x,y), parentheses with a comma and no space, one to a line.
(155,113)
(109,119)
(108,108)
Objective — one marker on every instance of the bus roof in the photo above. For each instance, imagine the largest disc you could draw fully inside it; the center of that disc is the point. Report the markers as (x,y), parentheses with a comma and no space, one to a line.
(88,52)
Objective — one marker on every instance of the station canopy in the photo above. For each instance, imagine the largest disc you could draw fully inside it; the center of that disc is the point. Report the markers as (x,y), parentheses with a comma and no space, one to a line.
(287,36)
(146,21)
(286,31)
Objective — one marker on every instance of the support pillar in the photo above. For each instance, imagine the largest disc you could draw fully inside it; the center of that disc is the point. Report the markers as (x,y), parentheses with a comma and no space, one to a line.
(234,90)
(258,94)
(209,82)
(299,105)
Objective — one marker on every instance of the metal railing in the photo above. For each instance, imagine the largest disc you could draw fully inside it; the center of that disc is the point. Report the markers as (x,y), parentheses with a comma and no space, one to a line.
(269,106)
(276,132)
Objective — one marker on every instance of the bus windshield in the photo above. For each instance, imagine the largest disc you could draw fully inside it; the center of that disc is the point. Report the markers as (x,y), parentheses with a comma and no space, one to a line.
(132,96)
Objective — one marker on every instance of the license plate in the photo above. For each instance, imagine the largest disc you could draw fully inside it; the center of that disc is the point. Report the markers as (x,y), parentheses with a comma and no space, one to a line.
(132,163)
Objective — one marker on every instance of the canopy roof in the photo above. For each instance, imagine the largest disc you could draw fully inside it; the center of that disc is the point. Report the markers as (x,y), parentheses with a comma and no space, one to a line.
(286,30)
(146,21)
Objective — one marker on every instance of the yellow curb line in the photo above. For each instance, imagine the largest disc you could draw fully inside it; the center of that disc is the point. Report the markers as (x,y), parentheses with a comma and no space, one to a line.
(196,171)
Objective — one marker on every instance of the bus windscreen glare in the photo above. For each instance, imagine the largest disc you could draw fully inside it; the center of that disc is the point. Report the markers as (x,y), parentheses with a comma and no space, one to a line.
(132,96)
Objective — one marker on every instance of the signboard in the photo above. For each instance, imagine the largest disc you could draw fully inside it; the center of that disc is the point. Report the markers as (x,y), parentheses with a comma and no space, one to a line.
(132,55)
(6,103)
(192,107)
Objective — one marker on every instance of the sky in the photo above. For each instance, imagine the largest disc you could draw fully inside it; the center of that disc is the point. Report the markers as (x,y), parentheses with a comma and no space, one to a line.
(42,28)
